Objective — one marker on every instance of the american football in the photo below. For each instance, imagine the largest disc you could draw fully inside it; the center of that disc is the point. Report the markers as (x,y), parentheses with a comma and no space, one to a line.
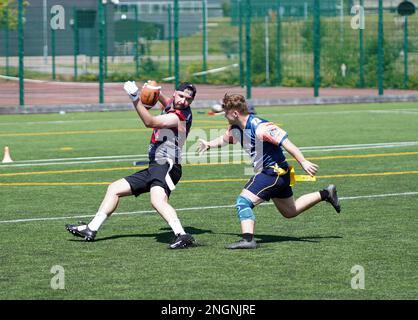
(217,108)
(150,94)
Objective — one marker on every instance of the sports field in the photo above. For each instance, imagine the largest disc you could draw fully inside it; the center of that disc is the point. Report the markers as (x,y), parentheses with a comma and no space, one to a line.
(63,162)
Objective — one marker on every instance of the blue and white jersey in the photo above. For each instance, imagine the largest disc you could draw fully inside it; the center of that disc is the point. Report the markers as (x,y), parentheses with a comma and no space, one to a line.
(261,140)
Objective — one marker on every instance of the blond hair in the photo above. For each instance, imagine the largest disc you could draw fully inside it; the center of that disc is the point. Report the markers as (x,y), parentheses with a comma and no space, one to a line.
(235,102)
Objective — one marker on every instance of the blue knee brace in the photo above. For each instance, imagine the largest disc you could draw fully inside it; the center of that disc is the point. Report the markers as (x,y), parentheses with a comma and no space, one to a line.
(244,209)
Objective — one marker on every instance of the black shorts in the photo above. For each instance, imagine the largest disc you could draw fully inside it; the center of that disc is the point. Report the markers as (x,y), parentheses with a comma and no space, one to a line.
(142,181)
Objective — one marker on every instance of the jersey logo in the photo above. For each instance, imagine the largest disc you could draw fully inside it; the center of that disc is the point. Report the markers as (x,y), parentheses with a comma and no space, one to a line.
(255,121)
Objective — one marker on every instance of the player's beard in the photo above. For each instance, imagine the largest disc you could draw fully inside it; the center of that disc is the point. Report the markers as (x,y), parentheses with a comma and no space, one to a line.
(179,106)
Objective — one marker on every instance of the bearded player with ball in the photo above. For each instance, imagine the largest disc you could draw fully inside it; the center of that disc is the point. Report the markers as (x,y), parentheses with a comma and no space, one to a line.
(170,130)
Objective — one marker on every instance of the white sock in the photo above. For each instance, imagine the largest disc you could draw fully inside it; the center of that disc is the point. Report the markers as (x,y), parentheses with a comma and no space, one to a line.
(176,226)
(97,221)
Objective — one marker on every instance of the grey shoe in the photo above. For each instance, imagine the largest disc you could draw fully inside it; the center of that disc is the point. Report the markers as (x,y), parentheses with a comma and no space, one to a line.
(86,233)
(242,244)
(333,197)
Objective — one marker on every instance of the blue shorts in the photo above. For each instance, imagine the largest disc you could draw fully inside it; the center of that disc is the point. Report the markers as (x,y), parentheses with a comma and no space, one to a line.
(268,184)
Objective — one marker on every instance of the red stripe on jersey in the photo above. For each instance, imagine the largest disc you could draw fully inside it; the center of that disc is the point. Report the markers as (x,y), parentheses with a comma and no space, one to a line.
(154,135)
(178,113)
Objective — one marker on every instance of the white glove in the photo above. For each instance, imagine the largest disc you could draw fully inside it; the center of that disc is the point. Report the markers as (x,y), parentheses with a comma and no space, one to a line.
(131,89)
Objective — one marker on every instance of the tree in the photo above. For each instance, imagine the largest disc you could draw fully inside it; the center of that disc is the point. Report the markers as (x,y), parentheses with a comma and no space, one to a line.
(226,8)
(9,13)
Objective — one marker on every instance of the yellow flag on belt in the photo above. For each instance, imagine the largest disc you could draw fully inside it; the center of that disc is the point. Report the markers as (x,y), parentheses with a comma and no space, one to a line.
(293,176)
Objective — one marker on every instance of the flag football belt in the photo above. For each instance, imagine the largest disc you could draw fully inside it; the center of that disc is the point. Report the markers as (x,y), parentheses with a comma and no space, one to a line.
(293,177)
(168,179)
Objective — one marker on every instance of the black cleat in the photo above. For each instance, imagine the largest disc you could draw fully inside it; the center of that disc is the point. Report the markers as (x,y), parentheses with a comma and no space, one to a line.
(242,244)
(333,197)
(182,241)
(86,233)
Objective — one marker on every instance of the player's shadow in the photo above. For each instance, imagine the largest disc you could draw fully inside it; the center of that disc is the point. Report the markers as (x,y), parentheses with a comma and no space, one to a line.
(163,237)
(268,238)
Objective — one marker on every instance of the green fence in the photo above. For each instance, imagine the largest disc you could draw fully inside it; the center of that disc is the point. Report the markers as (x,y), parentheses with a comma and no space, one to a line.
(304,43)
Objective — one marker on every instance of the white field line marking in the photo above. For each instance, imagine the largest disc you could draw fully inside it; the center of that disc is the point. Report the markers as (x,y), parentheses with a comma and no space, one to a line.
(59,122)
(405,111)
(411,111)
(85,158)
(321,113)
(202,208)
(62,122)
(192,155)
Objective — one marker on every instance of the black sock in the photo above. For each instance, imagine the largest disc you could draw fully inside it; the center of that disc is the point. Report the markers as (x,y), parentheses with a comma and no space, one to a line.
(324,194)
(248,236)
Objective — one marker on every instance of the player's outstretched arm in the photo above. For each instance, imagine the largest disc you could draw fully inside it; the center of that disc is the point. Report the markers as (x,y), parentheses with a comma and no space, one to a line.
(162,121)
(219,142)
(309,167)
(206,145)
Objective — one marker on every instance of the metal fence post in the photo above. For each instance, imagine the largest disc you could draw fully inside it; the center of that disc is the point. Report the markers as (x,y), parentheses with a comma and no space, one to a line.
(380,52)
(136,41)
(278,45)
(248,47)
(361,50)
(240,40)
(104,6)
(176,43)
(405,50)
(53,52)
(21,54)
(6,35)
(101,49)
(317,47)
(75,41)
(267,47)
(204,38)
(170,41)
